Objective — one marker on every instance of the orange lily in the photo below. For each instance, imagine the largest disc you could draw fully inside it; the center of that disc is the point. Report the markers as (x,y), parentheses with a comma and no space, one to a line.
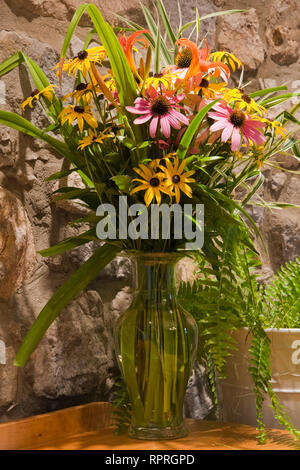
(127,45)
(199,64)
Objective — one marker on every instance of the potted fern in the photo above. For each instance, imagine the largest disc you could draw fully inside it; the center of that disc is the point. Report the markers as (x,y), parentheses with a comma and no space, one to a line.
(280,317)
(250,339)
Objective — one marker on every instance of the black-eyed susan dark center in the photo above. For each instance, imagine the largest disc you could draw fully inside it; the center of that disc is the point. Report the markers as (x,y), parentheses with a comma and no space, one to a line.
(35,92)
(184,59)
(82,55)
(160,106)
(154,182)
(81,87)
(79,109)
(246,98)
(237,118)
(176,179)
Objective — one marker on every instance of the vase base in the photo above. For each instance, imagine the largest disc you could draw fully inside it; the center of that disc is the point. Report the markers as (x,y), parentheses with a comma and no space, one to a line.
(155,433)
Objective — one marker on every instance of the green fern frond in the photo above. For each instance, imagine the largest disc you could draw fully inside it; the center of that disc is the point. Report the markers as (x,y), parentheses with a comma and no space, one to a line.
(121,407)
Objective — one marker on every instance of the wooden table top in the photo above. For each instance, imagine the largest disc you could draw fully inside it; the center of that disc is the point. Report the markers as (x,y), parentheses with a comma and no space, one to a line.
(88,427)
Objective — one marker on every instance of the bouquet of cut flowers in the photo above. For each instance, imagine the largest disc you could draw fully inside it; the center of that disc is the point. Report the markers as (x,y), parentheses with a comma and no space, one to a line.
(153,122)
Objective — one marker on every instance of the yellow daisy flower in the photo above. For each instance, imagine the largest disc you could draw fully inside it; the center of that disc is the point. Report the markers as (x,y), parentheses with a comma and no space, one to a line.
(82,61)
(94,137)
(243,101)
(166,80)
(81,113)
(83,91)
(207,89)
(177,180)
(226,58)
(156,162)
(152,184)
(47,92)
(276,125)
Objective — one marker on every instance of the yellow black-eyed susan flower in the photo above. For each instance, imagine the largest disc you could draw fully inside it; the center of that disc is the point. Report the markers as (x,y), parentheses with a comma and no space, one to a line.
(47,92)
(81,113)
(176,180)
(152,184)
(82,62)
(94,137)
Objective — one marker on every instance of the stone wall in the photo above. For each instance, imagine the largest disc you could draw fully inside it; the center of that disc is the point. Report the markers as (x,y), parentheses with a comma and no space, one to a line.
(75,361)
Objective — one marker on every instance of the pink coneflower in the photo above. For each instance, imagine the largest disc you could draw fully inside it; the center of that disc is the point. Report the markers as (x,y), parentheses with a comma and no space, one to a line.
(159,107)
(235,125)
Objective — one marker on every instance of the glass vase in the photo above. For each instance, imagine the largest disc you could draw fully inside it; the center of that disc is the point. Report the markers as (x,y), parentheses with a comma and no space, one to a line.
(156,342)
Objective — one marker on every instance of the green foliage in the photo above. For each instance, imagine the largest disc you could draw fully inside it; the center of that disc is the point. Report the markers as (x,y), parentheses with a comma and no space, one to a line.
(121,407)
(226,297)
(282,298)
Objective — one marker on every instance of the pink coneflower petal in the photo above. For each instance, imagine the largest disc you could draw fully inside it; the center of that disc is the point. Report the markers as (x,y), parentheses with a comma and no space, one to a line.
(227,132)
(216,115)
(236,139)
(153,126)
(174,122)
(179,116)
(131,109)
(143,119)
(165,126)
(218,125)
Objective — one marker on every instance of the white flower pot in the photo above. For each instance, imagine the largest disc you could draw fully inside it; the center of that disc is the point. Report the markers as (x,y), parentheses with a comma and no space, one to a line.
(236,396)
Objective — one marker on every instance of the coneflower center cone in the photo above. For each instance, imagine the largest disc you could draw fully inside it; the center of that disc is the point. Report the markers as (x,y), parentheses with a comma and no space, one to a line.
(160,106)
(237,118)
(184,58)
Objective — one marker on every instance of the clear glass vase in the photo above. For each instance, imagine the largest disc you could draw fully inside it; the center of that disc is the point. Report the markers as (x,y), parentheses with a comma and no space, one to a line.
(156,342)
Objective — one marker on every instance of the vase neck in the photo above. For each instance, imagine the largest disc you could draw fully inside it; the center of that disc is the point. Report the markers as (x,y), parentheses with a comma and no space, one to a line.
(156,272)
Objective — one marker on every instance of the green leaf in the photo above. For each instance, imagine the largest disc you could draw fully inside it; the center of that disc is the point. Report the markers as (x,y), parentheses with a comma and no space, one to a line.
(166,22)
(119,64)
(72,26)
(137,27)
(266,91)
(157,52)
(255,187)
(23,125)
(12,62)
(192,129)
(60,174)
(69,244)
(155,31)
(71,193)
(184,27)
(123,182)
(280,98)
(221,13)
(67,292)
(89,38)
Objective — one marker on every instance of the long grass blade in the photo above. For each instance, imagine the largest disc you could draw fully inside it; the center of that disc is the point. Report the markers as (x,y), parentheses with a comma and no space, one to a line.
(192,129)
(166,22)
(153,29)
